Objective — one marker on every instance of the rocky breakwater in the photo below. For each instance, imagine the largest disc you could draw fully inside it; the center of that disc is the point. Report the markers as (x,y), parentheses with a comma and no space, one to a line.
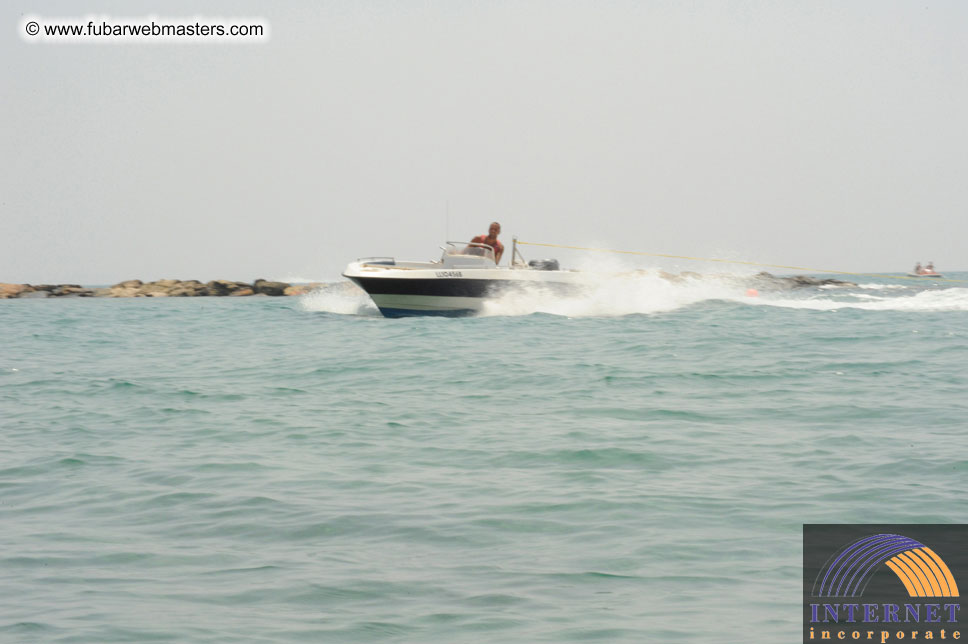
(159,288)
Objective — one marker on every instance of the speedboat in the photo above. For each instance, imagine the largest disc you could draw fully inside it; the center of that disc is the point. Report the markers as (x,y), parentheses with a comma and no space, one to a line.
(457,285)
(927,271)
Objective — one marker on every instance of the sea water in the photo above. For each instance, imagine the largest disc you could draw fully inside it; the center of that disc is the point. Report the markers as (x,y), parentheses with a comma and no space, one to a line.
(633,465)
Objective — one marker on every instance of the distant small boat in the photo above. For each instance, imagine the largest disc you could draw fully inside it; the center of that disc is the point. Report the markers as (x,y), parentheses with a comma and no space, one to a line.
(927,271)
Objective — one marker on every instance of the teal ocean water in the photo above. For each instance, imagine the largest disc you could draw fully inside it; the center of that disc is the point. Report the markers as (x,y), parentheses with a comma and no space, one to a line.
(633,466)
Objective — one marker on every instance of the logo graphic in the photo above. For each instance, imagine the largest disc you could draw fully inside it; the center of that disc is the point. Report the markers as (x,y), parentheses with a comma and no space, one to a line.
(918,567)
(883,583)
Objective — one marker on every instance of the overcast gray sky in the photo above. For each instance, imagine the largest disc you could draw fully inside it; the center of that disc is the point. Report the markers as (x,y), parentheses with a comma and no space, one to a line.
(824,134)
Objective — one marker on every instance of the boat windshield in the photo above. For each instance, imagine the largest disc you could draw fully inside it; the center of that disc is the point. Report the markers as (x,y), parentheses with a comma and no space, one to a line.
(468,249)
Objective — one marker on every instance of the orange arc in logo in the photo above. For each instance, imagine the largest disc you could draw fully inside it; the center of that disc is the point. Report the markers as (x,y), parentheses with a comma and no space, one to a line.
(923,573)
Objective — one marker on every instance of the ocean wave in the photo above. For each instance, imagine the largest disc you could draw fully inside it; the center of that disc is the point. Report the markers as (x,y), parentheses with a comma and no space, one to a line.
(930,301)
(880,287)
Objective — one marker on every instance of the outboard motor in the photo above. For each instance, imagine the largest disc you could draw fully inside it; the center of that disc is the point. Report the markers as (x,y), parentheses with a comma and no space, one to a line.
(544,264)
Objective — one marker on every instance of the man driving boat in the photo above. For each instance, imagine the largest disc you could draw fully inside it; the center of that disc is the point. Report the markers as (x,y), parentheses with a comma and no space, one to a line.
(491,240)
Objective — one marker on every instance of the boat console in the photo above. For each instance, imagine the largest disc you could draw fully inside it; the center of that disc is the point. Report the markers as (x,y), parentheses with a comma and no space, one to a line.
(467,255)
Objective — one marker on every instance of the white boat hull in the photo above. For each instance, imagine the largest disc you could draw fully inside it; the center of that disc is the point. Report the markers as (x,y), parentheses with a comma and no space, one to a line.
(403,290)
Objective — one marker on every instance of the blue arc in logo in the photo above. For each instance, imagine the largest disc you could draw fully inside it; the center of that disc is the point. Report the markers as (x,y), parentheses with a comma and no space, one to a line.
(847,574)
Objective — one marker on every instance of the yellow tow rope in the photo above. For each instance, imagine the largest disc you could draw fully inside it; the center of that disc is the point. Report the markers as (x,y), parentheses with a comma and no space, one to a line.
(733,261)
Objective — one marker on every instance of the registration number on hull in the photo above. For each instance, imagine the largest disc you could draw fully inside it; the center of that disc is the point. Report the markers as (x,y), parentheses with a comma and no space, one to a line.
(448,274)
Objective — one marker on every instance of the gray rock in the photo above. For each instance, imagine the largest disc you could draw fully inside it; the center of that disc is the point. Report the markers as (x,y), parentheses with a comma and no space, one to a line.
(263,287)
(225,287)
(71,290)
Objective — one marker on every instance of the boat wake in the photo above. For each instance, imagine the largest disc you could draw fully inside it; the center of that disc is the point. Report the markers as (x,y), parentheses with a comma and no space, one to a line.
(342,298)
(649,292)
(885,298)
(612,295)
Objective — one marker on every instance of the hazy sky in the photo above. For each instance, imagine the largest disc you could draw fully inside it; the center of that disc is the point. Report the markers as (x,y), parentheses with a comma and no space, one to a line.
(826,134)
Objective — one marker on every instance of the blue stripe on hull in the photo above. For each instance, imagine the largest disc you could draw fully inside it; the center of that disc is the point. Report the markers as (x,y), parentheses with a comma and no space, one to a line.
(407,313)
(437,287)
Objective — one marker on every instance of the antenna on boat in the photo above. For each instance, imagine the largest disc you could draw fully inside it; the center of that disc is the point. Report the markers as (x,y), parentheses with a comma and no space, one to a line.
(447,220)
